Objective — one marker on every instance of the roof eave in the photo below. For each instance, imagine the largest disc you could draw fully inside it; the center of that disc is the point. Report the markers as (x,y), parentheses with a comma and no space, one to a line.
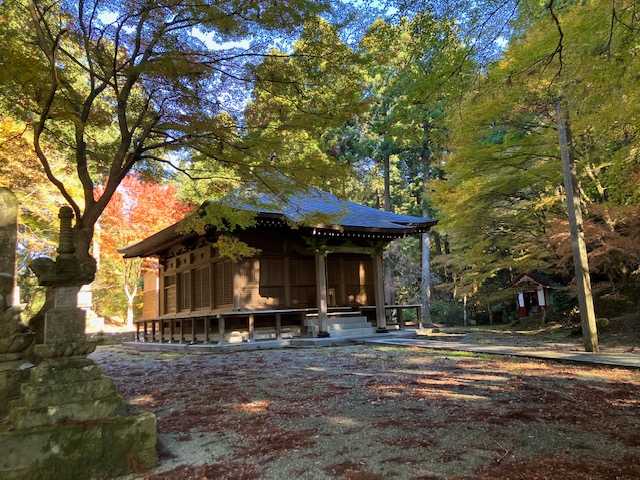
(171,236)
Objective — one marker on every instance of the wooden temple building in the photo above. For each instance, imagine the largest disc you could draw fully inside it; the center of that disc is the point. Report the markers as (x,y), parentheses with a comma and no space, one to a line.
(321,279)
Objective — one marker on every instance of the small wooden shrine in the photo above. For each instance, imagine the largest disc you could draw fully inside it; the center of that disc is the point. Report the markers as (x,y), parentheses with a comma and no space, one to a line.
(532,292)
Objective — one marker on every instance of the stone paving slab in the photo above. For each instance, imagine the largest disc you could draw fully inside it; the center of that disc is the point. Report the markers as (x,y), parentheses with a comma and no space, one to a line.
(628,360)
(300,342)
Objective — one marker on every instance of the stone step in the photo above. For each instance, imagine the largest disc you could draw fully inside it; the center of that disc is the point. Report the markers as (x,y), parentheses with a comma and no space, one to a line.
(348,320)
(348,313)
(339,327)
(353,332)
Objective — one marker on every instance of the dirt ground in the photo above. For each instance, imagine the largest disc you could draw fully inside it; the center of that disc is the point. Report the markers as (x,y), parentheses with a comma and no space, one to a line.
(370,413)
(620,335)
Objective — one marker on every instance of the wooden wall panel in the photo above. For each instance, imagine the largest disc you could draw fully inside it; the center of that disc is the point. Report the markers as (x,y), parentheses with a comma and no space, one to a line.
(150,293)
(184,291)
(201,288)
(282,277)
(358,280)
(170,296)
(223,283)
(302,272)
(271,279)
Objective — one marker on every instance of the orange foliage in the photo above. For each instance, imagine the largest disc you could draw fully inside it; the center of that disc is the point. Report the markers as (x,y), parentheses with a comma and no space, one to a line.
(137,210)
(613,241)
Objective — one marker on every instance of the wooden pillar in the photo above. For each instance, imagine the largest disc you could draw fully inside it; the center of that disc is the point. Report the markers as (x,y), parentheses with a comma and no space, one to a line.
(182,330)
(252,331)
(278,326)
(161,305)
(137,331)
(161,325)
(206,329)
(237,285)
(221,329)
(212,286)
(192,290)
(193,331)
(178,287)
(153,331)
(172,327)
(378,271)
(419,318)
(400,318)
(321,290)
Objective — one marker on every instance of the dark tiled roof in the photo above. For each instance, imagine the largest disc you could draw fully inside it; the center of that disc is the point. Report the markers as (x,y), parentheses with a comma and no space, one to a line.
(328,211)
(339,212)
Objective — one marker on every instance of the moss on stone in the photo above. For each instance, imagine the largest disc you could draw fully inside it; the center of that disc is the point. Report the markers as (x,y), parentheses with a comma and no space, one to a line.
(97,449)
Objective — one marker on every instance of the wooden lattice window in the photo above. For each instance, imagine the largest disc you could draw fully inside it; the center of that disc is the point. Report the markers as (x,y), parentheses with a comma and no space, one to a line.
(223,283)
(169,294)
(201,288)
(184,289)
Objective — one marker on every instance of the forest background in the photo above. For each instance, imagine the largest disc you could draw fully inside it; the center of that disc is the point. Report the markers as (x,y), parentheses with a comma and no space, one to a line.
(437,108)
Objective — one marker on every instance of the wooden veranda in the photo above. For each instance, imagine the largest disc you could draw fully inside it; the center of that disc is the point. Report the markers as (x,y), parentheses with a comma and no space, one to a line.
(208,328)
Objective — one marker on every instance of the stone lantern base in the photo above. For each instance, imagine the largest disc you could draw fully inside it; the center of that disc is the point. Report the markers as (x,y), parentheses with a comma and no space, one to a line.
(66,420)
(60,417)
(69,422)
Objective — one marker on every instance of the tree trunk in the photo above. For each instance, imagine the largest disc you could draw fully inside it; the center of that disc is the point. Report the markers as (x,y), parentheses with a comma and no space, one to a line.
(425,278)
(389,283)
(129,314)
(389,287)
(130,299)
(131,275)
(580,260)
(82,241)
(425,239)
(386,172)
(437,242)
(464,309)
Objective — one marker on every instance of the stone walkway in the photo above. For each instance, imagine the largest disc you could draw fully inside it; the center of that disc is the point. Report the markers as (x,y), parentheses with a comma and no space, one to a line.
(298,342)
(628,360)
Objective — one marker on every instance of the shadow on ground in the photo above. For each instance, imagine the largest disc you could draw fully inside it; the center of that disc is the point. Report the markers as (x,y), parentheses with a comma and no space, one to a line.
(368,413)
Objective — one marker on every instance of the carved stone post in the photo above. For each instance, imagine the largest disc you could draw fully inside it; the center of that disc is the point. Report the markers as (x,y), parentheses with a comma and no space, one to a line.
(15,338)
(64,323)
(8,238)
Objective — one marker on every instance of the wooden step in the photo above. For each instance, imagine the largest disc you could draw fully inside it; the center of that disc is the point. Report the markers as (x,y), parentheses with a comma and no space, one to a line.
(354,313)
